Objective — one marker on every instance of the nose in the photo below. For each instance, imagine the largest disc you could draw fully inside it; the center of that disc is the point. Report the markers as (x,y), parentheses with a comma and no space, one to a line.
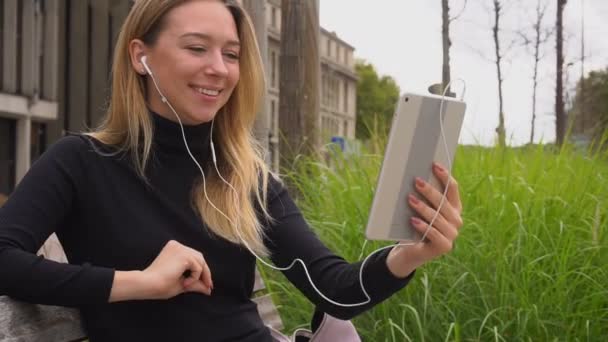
(215,64)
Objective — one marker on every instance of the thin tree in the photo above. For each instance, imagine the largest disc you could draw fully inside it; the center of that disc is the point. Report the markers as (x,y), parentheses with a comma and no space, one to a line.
(299,79)
(500,130)
(560,112)
(541,36)
(582,81)
(446,41)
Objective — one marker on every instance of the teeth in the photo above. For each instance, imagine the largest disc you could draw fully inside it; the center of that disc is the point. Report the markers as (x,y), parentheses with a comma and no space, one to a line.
(208,91)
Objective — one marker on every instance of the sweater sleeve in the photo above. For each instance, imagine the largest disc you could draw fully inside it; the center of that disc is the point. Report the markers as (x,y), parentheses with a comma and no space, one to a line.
(42,203)
(290,237)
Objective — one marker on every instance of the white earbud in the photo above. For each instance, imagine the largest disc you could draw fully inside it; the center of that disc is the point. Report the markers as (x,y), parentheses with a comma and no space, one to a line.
(149,71)
(143,61)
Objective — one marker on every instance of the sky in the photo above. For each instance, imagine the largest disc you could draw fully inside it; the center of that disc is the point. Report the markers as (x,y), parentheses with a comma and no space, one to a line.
(402,39)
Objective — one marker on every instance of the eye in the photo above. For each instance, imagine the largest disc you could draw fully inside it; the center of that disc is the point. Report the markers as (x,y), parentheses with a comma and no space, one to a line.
(232,55)
(197,49)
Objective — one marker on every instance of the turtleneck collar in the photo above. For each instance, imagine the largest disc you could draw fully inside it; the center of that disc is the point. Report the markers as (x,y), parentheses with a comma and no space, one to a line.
(168,136)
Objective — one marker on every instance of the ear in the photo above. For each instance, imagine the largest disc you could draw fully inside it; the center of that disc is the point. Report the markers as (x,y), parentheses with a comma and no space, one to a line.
(137,49)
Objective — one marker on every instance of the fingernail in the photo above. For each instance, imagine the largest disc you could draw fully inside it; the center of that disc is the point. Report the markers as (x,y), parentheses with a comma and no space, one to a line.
(415,220)
(413,199)
(419,182)
(438,168)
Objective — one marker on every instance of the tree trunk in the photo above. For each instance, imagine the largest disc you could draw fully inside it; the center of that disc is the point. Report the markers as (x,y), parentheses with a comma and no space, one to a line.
(560,115)
(445,39)
(537,42)
(500,130)
(257,12)
(582,94)
(534,101)
(299,79)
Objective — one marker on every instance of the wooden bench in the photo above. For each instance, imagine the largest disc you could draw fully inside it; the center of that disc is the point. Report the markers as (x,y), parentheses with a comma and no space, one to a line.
(25,322)
(21,322)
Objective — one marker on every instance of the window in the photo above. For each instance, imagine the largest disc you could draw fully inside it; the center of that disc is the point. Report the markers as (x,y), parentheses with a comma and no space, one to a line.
(345,128)
(273,118)
(324,90)
(345,97)
(19,44)
(274,69)
(337,51)
(7,155)
(328,47)
(1,39)
(40,20)
(330,88)
(38,140)
(273,136)
(333,93)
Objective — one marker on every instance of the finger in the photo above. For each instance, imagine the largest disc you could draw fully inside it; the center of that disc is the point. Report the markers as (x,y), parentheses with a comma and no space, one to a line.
(193,283)
(205,274)
(195,269)
(434,198)
(453,194)
(427,213)
(438,240)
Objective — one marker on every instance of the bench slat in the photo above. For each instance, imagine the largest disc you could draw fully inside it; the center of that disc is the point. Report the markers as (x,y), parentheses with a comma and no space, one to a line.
(259,282)
(268,312)
(21,322)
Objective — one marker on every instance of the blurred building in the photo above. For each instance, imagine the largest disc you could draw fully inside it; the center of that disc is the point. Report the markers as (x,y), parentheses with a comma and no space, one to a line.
(338,82)
(55,58)
(54,67)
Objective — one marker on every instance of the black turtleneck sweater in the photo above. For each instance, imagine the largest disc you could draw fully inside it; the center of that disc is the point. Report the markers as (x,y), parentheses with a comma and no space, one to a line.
(107,218)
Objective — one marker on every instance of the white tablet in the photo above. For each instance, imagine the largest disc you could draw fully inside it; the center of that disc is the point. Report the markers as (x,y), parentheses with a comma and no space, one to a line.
(414,142)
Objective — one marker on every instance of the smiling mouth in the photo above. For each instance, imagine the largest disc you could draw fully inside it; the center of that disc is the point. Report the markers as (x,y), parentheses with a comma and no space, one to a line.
(208,92)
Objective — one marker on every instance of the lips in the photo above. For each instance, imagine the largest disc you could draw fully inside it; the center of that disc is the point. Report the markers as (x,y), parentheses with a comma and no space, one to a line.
(206,90)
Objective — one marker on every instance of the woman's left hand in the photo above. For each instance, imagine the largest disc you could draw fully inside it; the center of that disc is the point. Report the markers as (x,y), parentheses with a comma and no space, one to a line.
(440,238)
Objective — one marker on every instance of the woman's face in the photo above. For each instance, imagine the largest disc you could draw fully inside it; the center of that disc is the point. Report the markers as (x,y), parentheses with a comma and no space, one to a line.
(195,61)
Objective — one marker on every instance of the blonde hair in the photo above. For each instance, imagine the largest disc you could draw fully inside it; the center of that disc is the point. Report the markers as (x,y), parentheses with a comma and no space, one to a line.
(128,127)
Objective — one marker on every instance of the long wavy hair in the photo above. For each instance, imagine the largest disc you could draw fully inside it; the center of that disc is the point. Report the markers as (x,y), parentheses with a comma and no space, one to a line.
(127,126)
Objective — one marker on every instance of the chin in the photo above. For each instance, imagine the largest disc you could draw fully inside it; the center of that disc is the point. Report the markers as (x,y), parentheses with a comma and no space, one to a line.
(202,117)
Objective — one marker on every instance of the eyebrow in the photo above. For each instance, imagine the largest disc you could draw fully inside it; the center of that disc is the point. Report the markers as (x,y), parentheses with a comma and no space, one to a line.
(208,37)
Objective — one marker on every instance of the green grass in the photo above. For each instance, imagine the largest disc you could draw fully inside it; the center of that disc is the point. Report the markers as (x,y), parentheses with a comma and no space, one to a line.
(531,262)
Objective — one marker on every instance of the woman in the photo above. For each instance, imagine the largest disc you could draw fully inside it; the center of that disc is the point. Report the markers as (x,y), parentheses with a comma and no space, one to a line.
(157,251)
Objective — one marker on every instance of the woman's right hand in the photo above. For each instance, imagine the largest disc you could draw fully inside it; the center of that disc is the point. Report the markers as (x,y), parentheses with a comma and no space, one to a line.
(164,278)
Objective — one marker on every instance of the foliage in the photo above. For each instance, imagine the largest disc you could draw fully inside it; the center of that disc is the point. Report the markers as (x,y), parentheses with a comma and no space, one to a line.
(376,98)
(592,99)
(530,264)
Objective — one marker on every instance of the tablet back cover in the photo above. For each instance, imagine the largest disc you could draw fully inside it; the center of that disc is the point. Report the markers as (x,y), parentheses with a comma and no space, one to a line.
(414,142)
